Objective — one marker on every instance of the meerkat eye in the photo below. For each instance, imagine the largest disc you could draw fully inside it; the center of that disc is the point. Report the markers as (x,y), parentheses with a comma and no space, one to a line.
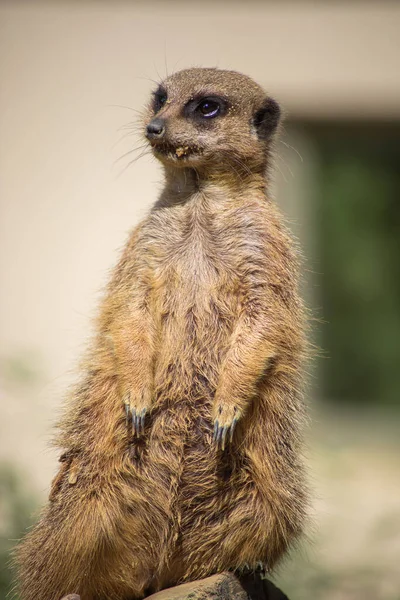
(208,108)
(160,98)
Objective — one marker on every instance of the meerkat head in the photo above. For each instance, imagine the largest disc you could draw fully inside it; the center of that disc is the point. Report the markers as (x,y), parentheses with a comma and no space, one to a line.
(209,117)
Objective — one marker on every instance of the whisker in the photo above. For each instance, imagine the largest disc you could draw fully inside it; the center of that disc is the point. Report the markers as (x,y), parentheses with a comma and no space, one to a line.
(133,161)
(130,125)
(292,148)
(174,68)
(285,164)
(124,106)
(158,74)
(149,79)
(229,158)
(127,134)
(280,171)
(240,164)
(165,58)
(232,166)
(129,152)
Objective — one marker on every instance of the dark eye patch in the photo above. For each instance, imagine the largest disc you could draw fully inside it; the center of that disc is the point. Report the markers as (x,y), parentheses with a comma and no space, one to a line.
(160,97)
(205,108)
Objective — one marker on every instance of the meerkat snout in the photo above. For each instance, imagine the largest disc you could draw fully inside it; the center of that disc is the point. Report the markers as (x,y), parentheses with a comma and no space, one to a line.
(155,129)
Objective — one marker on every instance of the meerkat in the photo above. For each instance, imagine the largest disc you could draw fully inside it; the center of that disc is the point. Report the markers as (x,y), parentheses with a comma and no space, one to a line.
(182,441)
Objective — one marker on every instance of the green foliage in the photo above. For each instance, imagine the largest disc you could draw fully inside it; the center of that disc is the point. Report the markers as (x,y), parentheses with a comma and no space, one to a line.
(16,506)
(359,246)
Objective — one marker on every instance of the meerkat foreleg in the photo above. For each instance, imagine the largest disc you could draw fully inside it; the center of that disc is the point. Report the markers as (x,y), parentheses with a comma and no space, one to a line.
(134,351)
(244,364)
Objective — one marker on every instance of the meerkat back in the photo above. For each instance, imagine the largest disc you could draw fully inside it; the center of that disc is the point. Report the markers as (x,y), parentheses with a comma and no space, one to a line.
(182,442)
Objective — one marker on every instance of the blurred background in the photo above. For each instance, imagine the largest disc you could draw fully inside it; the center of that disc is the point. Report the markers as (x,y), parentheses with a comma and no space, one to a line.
(73,75)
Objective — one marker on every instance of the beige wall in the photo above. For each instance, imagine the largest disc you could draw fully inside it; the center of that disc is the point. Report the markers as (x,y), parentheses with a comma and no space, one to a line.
(65,211)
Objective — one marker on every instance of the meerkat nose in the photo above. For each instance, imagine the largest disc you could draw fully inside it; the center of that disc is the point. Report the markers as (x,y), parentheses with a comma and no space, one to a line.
(155,129)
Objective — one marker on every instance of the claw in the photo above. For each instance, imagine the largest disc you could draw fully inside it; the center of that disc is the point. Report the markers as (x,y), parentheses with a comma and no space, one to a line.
(138,420)
(219,434)
(235,420)
(142,418)
(223,436)
(262,570)
(133,421)
(215,434)
(243,570)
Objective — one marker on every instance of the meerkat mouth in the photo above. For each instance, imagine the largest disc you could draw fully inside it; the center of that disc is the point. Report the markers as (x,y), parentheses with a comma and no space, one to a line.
(175,152)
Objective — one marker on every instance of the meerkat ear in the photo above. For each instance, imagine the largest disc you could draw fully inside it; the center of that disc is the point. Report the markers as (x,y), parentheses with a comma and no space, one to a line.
(267,118)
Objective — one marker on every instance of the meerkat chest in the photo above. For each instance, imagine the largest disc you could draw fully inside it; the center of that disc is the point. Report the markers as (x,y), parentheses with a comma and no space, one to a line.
(200,259)
(198,267)
(193,257)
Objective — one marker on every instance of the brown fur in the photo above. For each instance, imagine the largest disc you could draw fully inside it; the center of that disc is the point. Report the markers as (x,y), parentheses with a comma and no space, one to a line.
(201,322)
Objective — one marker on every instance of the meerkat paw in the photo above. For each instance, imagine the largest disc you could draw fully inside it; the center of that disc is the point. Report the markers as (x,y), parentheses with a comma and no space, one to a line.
(137,407)
(226,417)
(259,568)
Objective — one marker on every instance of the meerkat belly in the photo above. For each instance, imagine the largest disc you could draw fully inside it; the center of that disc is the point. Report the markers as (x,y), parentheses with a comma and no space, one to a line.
(196,312)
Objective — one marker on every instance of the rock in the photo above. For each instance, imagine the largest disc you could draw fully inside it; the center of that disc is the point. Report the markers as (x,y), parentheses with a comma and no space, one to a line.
(224,586)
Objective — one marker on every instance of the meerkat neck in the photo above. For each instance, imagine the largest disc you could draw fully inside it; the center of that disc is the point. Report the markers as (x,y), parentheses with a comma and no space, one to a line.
(182,183)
